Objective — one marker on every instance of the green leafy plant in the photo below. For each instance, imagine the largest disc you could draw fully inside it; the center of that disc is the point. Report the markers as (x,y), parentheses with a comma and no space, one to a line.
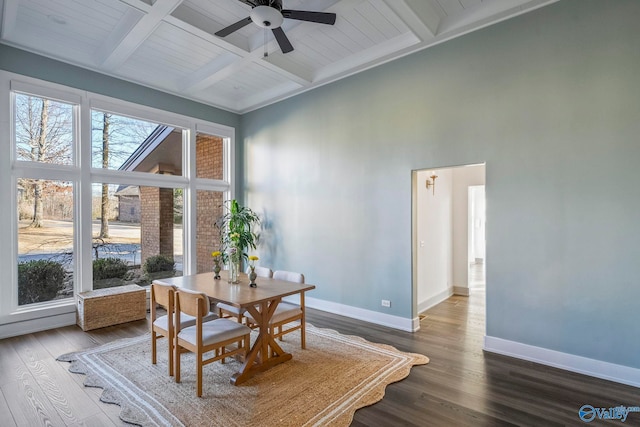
(39,280)
(236,227)
(109,268)
(157,263)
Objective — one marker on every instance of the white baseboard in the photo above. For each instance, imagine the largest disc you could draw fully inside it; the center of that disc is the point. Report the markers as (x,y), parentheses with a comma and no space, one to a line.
(434,300)
(36,325)
(570,362)
(461,290)
(396,322)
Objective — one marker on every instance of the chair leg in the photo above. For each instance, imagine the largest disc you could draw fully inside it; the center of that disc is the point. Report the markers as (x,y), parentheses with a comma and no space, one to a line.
(153,347)
(199,373)
(177,362)
(171,351)
(303,334)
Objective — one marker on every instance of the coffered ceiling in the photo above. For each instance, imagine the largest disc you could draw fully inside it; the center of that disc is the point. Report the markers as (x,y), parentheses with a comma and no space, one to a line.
(170,44)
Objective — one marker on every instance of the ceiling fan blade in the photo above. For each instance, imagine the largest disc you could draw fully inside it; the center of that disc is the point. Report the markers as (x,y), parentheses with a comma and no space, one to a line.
(305,15)
(283,41)
(234,27)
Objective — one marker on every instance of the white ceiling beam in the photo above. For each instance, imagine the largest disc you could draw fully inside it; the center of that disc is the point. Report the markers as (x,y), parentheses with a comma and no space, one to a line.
(9,18)
(116,38)
(287,69)
(199,25)
(209,74)
(265,96)
(428,12)
(138,4)
(420,26)
(127,44)
(221,74)
(487,12)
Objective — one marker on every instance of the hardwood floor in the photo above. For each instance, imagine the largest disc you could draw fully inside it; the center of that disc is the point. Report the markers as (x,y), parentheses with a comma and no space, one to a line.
(461,386)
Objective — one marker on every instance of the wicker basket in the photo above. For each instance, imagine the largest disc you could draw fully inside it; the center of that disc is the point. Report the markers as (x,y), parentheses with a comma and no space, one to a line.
(111,306)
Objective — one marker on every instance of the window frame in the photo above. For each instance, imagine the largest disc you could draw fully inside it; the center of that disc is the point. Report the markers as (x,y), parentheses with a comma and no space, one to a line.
(83,175)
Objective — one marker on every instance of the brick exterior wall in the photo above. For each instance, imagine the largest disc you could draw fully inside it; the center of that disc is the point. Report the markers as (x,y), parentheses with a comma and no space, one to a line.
(209,157)
(209,164)
(156,222)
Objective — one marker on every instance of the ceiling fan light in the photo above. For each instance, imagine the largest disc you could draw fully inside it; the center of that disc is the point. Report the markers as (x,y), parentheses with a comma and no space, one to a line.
(266,17)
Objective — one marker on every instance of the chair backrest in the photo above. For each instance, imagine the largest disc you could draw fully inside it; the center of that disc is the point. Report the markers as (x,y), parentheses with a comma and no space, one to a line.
(289,276)
(193,303)
(263,272)
(162,295)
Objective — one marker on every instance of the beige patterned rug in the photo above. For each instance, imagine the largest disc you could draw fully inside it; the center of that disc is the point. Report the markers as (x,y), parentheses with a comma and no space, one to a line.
(322,385)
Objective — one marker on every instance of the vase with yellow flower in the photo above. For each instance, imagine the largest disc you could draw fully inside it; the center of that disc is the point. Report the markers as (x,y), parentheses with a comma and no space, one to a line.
(216,264)
(252,270)
(234,265)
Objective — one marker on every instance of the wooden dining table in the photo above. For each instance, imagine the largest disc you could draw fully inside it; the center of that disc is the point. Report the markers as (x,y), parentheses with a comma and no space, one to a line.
(260,302)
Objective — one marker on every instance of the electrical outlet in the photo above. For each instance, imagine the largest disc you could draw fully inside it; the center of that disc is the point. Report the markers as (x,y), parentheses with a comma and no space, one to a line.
(386,303)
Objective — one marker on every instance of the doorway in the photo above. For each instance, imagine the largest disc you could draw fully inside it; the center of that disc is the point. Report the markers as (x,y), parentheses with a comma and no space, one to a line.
(477,243)
(448,233)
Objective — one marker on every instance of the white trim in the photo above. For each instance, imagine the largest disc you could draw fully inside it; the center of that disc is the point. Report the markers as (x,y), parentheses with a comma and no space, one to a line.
(434,300)
(140,112)
(37,325)
(461,290)
(569,362)
(391,321)
(51,91)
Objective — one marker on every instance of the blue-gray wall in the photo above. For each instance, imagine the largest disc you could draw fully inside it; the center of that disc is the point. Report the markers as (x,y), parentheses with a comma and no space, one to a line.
(549,100)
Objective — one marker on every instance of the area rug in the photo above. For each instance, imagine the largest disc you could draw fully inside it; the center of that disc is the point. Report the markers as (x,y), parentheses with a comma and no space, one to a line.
(322,385)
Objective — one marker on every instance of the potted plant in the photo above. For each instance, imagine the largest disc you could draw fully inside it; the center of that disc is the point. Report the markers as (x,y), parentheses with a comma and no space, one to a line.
(237,236)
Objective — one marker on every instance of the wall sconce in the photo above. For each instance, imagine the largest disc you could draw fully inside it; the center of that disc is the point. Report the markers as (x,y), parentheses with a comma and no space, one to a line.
(431,183)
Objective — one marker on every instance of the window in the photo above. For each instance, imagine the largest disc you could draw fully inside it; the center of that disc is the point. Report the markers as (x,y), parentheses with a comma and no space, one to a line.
(44,135)
(95,178)
(45,240)
(137,235)
(43,130)
(123,143)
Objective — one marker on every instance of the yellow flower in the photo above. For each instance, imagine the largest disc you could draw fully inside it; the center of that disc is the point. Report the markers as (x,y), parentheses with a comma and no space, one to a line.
(253,258)
(216,254)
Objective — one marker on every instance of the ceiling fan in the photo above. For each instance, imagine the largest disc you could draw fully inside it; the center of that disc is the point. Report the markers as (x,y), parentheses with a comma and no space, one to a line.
(269,14)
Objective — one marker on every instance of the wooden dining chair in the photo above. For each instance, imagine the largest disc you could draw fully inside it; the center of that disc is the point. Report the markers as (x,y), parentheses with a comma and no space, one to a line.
(286,312)
(204,337)
(164,325)
(227,311)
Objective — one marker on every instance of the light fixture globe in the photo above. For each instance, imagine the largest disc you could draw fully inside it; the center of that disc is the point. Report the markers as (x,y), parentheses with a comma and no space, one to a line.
(266,17)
